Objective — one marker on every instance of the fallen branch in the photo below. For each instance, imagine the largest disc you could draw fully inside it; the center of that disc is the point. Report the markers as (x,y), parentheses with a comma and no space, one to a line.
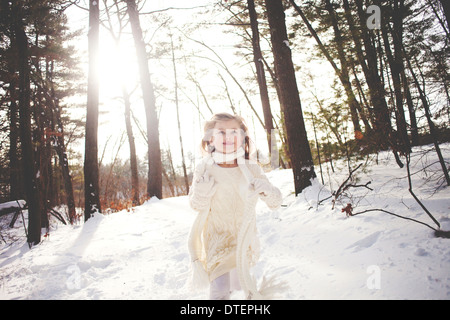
(437,232)
(394,214)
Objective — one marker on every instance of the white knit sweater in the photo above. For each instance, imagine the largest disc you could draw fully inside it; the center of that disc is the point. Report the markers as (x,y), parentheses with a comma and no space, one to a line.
(225,212)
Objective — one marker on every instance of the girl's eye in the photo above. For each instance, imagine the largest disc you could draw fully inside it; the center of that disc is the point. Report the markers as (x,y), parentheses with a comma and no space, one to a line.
(219,133)
(233,132)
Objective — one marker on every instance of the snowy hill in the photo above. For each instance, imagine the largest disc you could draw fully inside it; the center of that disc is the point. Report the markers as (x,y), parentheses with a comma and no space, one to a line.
(317,250)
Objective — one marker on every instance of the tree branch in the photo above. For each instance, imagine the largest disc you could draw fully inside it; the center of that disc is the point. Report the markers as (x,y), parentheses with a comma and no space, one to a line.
(394,214)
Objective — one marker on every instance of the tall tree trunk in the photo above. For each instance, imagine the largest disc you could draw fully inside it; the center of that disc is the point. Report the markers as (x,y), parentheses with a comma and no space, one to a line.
(411,110)
(395,62)
(154,185)
(382,123)
(126,99)
(399,57)
(14,164)
(61,147)
(299,150)
(64,165)
(259,65)
(42,156)
(28,163)
(132,145)
(91,170)
(399,9)
(362,104)
(183,162)
(353,104)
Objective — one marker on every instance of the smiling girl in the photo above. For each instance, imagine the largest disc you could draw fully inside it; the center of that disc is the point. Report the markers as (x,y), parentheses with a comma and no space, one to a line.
(226,186)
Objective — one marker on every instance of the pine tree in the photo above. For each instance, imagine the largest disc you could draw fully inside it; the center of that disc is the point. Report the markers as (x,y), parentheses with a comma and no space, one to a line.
(16,15)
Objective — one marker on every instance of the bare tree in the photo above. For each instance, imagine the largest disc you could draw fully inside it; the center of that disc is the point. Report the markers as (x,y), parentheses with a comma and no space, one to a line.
(259,65)
(154,184)
(126,99)
(91,172)
(299,150)
(183,162)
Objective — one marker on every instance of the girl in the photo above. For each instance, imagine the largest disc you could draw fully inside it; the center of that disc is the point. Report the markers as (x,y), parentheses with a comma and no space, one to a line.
(225,188)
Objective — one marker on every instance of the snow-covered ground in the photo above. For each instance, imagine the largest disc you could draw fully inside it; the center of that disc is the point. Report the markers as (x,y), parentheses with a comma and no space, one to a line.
(317,250)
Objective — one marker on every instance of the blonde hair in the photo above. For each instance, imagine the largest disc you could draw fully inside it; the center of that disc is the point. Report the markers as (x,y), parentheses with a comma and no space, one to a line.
(223,116)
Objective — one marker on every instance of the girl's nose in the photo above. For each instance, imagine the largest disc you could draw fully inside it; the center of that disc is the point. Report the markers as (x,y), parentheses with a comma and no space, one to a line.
(229,137)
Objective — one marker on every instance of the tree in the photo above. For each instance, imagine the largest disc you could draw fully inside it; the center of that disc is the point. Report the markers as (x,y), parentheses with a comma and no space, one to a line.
(154,184)
(14,161)
(260,75)
(382,122)
(339,41)
(299,149)
(53,75)
(183,162)
(431,124)
(17,16)
(91,170)
(343,72)
(132,144)
(126,99)
(395,61)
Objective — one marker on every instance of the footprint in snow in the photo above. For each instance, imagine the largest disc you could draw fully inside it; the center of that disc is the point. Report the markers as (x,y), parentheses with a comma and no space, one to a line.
(160,278)
(365,243)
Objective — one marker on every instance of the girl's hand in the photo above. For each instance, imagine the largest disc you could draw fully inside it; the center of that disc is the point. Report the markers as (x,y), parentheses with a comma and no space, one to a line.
(205,185)
(270,194)
(261,186)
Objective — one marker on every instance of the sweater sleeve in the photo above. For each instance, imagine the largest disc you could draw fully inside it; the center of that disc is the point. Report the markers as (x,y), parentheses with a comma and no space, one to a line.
(274,198)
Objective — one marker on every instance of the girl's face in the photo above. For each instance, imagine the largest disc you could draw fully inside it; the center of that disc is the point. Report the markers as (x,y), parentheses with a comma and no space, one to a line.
(227,136)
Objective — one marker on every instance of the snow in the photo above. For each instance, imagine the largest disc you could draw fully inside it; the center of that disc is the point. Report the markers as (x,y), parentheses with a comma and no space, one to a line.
(11,205)
(318,251)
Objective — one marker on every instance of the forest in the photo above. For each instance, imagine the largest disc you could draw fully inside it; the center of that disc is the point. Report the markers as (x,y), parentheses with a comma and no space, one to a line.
(316,80)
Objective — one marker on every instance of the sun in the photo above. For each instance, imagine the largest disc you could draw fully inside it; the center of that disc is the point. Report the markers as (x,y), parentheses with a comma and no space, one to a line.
(117,67)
